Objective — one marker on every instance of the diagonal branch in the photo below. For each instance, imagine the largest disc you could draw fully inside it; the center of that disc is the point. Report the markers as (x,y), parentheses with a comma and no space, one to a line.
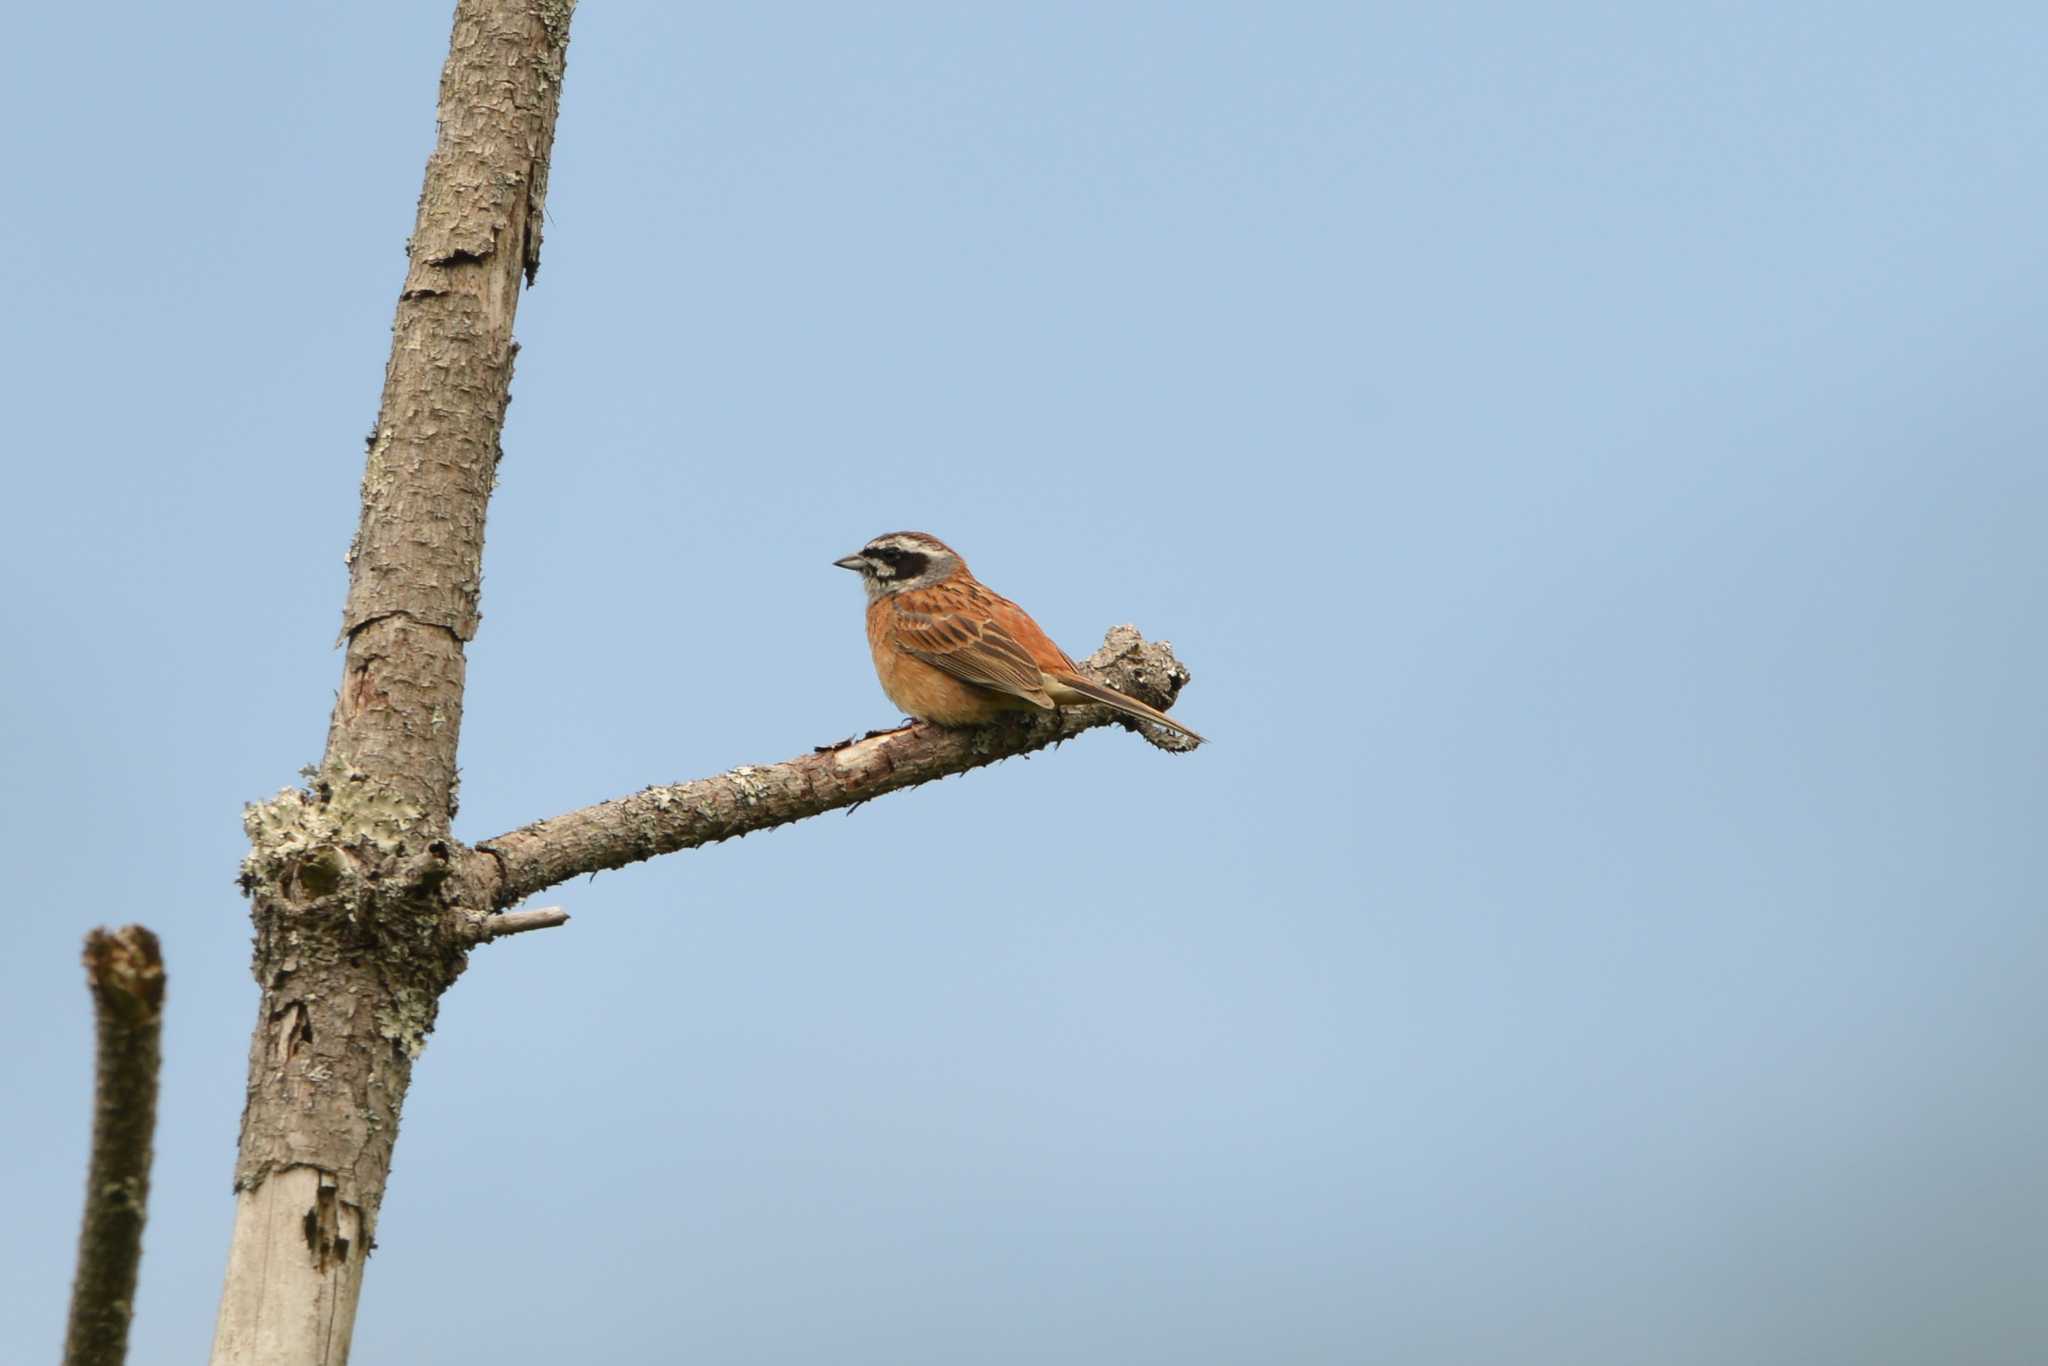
(662,820)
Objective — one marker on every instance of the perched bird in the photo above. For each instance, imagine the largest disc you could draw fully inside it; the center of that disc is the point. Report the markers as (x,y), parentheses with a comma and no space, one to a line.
(950,650)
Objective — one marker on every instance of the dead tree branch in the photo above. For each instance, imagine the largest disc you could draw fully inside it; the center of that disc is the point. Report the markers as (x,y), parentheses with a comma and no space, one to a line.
(486,927)
(354,886)
(662,820)
(125,970)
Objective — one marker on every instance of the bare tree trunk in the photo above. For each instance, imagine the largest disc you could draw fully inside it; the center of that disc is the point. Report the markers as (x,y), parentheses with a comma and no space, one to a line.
(353,881)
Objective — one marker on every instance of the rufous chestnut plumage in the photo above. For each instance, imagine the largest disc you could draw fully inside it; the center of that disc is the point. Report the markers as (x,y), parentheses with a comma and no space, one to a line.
(951,650)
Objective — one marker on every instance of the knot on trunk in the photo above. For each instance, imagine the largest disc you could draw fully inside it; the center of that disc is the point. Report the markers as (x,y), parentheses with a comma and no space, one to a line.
(309,844)
(342,865)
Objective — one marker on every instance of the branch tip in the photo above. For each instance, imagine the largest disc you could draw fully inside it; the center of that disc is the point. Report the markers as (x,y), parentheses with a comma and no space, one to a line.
(519,922)
(125,970)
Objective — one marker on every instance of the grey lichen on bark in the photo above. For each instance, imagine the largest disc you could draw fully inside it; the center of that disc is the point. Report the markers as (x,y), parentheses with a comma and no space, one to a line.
(353,889)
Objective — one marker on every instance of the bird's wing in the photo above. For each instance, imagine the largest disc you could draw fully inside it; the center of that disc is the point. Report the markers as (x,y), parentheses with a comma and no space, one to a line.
(974,649)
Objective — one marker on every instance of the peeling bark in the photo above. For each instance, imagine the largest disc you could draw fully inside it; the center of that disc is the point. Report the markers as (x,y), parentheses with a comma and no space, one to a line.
(353,883)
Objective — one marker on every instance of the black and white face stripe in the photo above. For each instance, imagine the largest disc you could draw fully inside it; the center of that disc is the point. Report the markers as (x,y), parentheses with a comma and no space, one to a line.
(900,560)
(896,561)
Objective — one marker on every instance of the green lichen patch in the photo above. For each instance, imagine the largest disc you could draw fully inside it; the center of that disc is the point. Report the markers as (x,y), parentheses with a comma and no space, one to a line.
(300,832)
(406,1020)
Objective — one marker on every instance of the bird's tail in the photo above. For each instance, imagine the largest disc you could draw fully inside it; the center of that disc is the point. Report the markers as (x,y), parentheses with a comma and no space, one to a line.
(1082,690)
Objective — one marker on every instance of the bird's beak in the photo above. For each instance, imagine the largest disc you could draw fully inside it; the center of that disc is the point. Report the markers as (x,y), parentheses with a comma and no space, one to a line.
(853,562)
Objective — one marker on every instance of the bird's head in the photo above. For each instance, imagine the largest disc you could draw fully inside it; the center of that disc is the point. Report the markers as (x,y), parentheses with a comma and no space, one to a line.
(902,559)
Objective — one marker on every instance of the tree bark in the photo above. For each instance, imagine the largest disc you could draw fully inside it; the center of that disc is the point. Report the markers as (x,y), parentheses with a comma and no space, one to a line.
(352,881)
(125,970)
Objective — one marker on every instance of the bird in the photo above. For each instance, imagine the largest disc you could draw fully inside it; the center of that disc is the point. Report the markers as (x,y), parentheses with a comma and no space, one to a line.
(951,650)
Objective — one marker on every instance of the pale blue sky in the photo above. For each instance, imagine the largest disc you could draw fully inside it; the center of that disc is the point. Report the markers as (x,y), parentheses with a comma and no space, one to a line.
(1593,458)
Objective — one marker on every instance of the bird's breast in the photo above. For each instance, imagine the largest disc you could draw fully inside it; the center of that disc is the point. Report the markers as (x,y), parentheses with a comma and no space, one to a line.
(923,690)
